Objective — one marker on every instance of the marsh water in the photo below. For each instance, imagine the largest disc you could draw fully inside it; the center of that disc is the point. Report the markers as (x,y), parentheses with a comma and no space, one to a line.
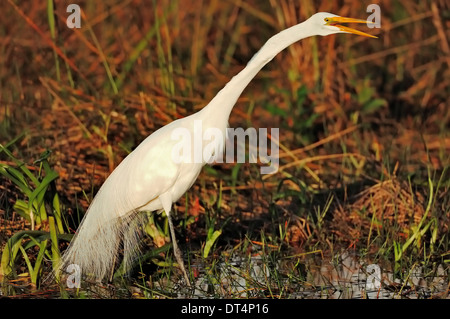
(343,277)
(346,276)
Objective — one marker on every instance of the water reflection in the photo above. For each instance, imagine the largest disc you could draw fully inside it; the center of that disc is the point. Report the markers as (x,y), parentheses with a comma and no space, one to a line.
(338,278)
(345,276)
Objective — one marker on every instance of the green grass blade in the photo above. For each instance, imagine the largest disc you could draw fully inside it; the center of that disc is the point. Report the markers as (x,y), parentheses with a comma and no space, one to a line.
(52,26)
(210,242)
(56,254)
(12,247)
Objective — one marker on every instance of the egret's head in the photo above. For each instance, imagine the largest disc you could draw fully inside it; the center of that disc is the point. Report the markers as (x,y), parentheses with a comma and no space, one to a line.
(327,23)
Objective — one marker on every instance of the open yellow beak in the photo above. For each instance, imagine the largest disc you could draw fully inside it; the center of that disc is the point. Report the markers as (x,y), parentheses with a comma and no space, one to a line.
(334,21)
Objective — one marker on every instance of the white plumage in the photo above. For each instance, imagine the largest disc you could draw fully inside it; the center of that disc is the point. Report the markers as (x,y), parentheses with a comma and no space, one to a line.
(149,180)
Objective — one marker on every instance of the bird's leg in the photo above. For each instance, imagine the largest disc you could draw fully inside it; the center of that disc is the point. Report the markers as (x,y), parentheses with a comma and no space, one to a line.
(166,201)
(176,249)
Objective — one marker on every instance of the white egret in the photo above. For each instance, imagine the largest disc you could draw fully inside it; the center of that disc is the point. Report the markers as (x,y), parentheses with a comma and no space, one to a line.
(149,180)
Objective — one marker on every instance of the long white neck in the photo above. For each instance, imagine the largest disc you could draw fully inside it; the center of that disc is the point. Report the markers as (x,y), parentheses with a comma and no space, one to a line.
(221,105)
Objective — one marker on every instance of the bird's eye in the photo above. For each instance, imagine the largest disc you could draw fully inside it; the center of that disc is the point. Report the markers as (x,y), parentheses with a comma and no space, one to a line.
(326,19)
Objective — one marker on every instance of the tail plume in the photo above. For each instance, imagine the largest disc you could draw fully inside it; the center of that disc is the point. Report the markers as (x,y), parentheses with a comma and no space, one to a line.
(95,247)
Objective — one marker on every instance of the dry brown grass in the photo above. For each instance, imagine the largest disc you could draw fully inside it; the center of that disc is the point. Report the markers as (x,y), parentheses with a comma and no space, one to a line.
(170,60)
(388,204)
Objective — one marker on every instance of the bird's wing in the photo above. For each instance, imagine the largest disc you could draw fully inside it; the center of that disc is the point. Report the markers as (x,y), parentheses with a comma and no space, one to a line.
(141,177)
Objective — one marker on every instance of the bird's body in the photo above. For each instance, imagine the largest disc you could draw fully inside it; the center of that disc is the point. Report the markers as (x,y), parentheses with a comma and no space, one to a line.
(144,181)
(148,179)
